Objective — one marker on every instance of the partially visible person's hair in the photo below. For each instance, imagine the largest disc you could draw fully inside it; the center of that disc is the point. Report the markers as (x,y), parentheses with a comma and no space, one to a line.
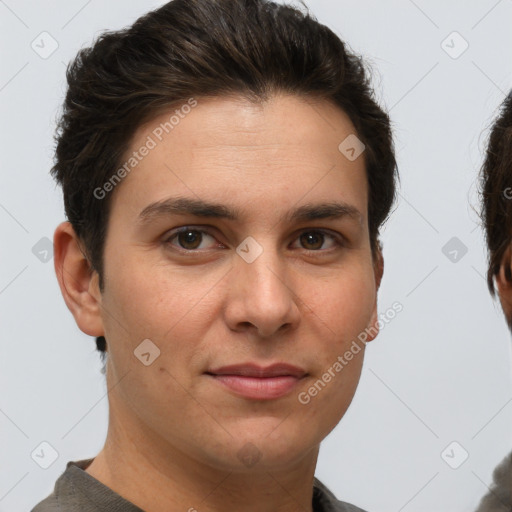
(205,48)
(496,193)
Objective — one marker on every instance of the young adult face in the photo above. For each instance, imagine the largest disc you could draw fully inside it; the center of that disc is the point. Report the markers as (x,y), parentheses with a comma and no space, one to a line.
(205,305)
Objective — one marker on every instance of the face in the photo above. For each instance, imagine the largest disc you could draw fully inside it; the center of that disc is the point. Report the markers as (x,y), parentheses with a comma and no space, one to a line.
(266,260)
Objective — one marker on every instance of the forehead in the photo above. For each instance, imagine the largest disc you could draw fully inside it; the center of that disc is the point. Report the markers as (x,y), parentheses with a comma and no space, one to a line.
(230,150)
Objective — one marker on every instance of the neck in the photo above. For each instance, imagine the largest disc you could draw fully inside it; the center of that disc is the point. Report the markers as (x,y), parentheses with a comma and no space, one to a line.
(157,476)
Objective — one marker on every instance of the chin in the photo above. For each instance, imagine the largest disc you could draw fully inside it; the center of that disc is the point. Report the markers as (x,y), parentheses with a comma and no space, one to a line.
(261,452)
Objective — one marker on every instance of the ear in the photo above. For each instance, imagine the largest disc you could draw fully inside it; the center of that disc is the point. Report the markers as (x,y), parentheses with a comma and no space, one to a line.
(504,285)
(378,269)
(378,266)
(79,284)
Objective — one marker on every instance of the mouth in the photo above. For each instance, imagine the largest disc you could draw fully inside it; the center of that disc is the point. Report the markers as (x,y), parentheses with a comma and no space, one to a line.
(258,383)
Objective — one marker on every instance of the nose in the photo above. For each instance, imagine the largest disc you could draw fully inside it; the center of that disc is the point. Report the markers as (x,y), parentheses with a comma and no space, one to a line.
(261,296)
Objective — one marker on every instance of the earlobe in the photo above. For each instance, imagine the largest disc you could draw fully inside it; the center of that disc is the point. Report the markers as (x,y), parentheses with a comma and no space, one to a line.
(78,284)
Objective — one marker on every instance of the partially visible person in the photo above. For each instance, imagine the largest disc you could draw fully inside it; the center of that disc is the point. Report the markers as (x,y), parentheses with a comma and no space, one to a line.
(496,188)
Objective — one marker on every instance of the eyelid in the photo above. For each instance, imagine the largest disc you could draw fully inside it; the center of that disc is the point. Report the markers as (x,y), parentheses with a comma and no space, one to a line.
(338,238)
(175,232)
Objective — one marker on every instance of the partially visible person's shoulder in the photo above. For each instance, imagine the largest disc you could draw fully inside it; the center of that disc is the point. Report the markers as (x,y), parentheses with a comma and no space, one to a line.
(49,504)
(77,491)
(325,501)
(499,498)
(65,496)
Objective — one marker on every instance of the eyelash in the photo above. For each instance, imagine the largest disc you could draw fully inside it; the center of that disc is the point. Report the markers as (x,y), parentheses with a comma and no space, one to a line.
(337,238)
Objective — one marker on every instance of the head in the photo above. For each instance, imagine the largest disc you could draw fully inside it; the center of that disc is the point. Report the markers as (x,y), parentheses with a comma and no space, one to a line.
(226,171)
(496,190)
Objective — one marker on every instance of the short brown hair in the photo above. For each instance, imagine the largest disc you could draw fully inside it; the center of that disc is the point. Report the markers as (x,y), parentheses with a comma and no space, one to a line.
(205,48)
(496,192)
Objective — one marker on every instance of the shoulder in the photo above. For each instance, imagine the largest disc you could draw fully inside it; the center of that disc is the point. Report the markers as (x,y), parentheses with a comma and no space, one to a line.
(49,504)
(499,498)
(68,492)
(325,501)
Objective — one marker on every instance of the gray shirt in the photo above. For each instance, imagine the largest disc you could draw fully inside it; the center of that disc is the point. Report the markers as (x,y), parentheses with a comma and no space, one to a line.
(77,491)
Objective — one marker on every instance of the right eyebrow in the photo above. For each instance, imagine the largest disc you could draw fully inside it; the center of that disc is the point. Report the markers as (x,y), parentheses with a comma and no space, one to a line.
(185,206)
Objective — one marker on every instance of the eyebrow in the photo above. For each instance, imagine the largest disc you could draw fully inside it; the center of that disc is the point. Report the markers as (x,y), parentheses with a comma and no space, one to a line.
(201,208)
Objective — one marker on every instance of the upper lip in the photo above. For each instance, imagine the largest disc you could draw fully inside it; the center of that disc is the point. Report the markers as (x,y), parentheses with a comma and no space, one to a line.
(254,370)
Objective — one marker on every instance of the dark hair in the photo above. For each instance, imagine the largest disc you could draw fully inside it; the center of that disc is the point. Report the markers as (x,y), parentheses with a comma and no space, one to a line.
(205,48)
(496,192)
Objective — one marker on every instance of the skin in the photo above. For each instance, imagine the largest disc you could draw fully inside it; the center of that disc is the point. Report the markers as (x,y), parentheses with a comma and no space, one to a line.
(505,288)
(175,435)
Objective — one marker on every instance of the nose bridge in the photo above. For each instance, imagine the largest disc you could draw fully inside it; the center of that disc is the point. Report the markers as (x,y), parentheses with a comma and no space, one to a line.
(263,269)
(266,298)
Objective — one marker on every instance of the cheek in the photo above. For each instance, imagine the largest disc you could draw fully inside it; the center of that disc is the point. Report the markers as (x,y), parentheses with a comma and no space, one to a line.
(345,304)
(342,310)
(150,298)
(171,307)
(167,309)
(345,308)
(326,400)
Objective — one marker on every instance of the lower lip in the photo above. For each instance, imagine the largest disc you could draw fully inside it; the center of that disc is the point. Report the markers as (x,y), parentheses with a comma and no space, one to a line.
(257,388)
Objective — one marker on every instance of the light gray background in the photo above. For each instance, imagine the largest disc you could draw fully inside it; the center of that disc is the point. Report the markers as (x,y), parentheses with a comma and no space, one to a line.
(440,372)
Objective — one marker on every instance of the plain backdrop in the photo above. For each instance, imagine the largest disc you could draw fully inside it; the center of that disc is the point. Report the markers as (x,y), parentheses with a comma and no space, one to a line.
(433,412)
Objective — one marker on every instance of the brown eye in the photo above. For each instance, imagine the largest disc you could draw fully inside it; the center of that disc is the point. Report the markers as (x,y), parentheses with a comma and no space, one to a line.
(314,238)
(189,239)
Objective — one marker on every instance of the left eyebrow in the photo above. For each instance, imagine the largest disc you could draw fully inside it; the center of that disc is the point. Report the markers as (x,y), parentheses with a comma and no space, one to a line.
(200,208)
(333,210)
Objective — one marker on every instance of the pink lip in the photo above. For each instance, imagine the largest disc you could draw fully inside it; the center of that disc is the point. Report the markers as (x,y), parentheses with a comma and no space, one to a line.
(259,383)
